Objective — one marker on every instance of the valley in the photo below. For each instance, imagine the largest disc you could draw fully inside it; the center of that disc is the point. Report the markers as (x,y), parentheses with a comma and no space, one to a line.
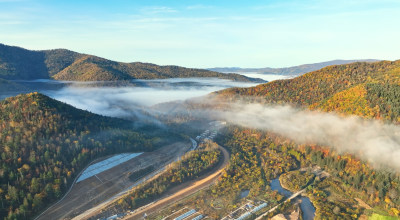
(252,139)
(199,110)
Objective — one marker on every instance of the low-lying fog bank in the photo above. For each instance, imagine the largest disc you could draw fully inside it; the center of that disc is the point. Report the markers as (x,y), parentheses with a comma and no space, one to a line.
(266,77)
(372,140)
(122,101)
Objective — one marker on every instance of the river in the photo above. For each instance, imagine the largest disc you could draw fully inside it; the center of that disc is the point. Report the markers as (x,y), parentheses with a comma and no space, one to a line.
(306,206)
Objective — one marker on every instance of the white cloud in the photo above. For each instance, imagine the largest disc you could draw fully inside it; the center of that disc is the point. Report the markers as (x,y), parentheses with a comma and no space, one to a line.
(158,10)
(199,7)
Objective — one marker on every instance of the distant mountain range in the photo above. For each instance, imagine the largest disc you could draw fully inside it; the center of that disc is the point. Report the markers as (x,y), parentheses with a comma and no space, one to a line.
(294,70)
(60,64)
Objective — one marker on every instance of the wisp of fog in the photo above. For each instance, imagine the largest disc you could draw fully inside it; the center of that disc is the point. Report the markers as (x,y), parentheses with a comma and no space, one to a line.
(372,140)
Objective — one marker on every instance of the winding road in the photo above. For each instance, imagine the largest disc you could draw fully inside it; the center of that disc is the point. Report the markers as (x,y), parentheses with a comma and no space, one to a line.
(184,190)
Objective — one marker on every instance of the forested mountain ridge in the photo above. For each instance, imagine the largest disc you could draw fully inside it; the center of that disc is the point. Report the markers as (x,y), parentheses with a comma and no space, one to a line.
(20,64)
(44,143)
(369,90)
(294,70)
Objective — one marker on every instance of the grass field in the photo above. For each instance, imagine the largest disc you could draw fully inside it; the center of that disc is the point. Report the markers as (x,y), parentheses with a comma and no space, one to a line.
(381,217)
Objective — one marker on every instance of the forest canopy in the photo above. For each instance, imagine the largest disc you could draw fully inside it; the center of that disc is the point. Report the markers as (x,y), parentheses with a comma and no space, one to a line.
(44,144)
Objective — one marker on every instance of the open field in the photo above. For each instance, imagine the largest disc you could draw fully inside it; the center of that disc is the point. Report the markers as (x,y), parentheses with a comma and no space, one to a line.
(104,186)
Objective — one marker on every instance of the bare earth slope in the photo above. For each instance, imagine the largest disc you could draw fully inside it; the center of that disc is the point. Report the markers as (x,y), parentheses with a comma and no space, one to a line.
(101,187)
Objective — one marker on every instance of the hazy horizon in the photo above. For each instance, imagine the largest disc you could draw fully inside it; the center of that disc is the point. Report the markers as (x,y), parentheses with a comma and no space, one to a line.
(206,34)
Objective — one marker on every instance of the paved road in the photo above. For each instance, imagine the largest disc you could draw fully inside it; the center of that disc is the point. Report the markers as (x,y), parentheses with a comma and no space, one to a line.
(193,186)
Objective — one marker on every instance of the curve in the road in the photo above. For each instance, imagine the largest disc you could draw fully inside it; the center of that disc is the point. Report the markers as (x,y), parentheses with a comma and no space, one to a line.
(194,186)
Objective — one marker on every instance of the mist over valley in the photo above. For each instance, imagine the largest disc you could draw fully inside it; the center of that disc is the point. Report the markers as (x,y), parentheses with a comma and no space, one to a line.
(193,110)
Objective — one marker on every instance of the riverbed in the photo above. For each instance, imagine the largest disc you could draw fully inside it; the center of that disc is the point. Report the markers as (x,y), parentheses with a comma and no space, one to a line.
(306,206)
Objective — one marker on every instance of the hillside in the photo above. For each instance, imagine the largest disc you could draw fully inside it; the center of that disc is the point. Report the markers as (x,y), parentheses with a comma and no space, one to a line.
(292,71)
(355,189)
(45,143)
(60,64)
(370,90)
(90,68)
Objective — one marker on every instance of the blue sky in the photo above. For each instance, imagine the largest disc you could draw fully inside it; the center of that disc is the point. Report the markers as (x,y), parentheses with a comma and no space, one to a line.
(208,33)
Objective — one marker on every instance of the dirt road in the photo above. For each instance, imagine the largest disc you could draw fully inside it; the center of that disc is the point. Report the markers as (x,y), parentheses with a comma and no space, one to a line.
(184,190)
(103,186)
